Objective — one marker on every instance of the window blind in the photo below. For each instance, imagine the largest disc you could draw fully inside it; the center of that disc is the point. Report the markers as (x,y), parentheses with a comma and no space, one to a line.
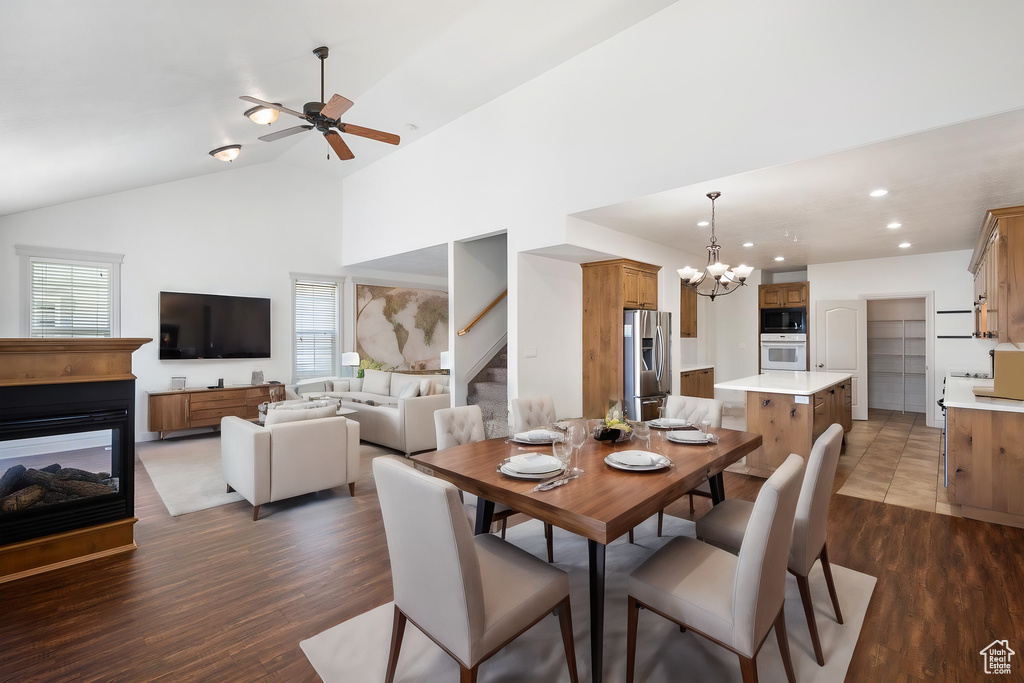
(70,299)
(316,328)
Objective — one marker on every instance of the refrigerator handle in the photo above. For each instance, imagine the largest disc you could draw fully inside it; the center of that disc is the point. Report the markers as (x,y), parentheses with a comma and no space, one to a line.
(659,354)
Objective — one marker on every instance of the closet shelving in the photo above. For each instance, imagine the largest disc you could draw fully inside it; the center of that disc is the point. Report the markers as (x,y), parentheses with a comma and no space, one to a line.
(896,365)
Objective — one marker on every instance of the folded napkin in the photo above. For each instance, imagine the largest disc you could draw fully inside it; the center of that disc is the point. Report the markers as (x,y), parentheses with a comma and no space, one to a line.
(688,437)
(542,435)
(670,422)
(637,458)
(534,463)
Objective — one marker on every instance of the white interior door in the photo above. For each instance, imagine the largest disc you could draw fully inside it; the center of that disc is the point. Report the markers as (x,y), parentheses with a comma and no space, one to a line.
(841,345)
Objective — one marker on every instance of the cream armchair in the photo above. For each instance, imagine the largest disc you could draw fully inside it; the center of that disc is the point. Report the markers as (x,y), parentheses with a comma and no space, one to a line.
(288,459)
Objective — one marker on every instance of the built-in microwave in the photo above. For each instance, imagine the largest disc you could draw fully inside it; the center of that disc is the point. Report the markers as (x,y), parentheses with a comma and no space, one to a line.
(783,321)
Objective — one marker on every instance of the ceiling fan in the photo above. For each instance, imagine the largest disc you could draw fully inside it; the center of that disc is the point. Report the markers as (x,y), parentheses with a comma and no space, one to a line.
(324,117)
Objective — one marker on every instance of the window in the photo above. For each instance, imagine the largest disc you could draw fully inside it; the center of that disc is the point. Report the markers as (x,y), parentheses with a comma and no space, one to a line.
(316,327)
(67,293)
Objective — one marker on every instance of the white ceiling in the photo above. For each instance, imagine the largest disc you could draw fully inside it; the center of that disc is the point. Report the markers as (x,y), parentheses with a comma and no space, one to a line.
(109,95)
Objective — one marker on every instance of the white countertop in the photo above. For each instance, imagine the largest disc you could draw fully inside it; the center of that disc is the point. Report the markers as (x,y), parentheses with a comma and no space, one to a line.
(690,368)
(959,394)
(785,382)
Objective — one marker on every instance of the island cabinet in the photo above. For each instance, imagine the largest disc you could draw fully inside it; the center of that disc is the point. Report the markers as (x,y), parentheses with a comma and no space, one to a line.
(609,288)
(790,410)
(998,268)
(783,295)
(984,457)
(187,408)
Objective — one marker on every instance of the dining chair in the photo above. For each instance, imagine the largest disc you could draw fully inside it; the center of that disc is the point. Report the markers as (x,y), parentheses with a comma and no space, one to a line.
(477,593)
(693,410)
(531,413)
(731,600)
(465,424)
(726,524)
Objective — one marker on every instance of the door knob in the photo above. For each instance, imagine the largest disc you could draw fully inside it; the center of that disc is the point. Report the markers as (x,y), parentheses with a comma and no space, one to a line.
(820,365)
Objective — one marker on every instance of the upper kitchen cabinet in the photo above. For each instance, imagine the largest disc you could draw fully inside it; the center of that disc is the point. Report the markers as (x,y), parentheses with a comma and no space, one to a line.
(687,312)
(998,269)
(783,295)
(639,285)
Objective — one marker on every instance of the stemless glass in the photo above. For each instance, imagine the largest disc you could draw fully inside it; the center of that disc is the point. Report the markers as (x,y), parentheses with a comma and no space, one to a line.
(642,432)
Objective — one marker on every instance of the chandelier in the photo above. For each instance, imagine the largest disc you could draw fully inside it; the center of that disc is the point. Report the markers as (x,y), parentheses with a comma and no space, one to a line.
(716,279)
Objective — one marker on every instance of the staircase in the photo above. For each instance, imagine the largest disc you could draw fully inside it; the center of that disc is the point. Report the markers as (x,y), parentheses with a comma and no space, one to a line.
(489,390)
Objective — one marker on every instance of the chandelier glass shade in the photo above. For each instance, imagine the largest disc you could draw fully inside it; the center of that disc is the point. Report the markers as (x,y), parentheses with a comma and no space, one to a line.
(716,279)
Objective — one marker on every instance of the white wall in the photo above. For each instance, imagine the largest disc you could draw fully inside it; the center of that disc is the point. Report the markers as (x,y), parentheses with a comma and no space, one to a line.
(239,232)
(736,325)
(944,274)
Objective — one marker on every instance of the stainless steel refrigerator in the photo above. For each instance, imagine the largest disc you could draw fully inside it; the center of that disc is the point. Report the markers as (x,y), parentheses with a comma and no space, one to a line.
(647,376)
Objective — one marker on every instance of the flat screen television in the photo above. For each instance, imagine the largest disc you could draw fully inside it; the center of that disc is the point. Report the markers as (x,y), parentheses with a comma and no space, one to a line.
(194,326)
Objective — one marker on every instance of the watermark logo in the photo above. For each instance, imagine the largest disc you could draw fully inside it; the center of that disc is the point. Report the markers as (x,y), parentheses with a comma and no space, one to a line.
(997,657)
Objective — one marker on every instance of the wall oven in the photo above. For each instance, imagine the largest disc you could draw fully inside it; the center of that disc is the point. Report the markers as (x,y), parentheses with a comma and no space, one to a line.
(783,352)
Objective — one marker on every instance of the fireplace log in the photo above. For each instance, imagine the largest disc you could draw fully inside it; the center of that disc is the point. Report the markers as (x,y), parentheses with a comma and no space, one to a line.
(9,481)
(69,486)
(25,498)
(81,475)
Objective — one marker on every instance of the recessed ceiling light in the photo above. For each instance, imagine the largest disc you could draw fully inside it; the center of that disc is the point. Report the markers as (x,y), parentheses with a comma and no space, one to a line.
(904,245)
(703,224)
(780,258)
(879,193)
(748,244)
(411,126)
(893,226)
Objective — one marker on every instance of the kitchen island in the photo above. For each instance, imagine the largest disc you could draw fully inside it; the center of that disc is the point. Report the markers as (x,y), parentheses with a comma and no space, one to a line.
(984,453)
(790,409)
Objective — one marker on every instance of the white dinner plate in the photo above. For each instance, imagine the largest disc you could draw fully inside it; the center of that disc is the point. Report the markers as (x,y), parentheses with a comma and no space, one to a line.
(612,462)
(668,423)
(504,469)
(539,437)
(691,437)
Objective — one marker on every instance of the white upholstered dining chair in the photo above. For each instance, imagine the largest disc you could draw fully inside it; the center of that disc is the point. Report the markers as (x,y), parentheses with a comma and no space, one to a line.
(727,522)
(532,412)
(465,424)
(477,593)
(731,600)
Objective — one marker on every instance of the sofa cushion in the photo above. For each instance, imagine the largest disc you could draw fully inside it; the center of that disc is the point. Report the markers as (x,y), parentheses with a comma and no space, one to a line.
(363,397)
(377,382)
(402,384)
(295,415)
(341,385)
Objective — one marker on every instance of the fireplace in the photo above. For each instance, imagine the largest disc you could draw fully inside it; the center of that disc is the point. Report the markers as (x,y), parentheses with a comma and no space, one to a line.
(67,451)
(66,457)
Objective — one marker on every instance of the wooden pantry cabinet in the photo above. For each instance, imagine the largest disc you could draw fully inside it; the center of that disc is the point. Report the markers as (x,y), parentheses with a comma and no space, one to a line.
(187,408)
(998,268)
(783,295)
(609,288)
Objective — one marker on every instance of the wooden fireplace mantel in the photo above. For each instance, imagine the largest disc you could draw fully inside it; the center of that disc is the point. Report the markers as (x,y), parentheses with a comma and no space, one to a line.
(61,361)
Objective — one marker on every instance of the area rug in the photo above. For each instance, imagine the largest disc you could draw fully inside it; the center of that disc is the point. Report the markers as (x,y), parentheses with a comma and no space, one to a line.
(357,650)
(187,473)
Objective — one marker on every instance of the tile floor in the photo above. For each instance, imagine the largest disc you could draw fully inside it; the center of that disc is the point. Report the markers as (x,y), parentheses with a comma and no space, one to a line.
(891,457)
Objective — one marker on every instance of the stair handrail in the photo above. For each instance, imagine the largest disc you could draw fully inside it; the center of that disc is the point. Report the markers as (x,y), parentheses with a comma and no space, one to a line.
(494,303)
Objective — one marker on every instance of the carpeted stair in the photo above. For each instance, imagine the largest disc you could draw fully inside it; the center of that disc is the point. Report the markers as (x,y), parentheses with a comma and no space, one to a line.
(489,390)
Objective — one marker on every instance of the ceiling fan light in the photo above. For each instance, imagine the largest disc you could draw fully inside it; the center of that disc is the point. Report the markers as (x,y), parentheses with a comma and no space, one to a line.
(262,115)
(228,153)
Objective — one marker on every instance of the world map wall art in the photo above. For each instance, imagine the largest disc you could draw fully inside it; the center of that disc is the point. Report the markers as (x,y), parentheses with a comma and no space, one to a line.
(401,327)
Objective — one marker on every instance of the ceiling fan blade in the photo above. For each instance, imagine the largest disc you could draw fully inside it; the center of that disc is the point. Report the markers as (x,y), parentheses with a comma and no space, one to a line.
(339,146)
(271,105)
(337,106)
(380,136)
(270,137)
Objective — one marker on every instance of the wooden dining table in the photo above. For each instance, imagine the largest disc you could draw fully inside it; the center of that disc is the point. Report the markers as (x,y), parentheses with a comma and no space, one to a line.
(600,505)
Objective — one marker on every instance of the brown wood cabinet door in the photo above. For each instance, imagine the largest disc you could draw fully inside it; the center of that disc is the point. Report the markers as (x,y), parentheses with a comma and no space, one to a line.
(822,415)
(168,412)
(707,383)
(794,294)
(630,288)
(687,312)
(648,290)
(770,296)
(689,383)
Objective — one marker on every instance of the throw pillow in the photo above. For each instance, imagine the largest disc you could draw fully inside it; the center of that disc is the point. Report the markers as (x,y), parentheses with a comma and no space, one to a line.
(425,387)
(341,385)
(377,382)
(278,416)
(410,391)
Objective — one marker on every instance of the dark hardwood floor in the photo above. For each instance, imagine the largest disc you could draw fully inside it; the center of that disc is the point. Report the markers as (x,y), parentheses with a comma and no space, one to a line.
(213,596)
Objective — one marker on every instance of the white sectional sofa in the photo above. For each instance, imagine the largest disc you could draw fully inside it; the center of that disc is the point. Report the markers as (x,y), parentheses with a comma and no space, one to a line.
(393,409)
